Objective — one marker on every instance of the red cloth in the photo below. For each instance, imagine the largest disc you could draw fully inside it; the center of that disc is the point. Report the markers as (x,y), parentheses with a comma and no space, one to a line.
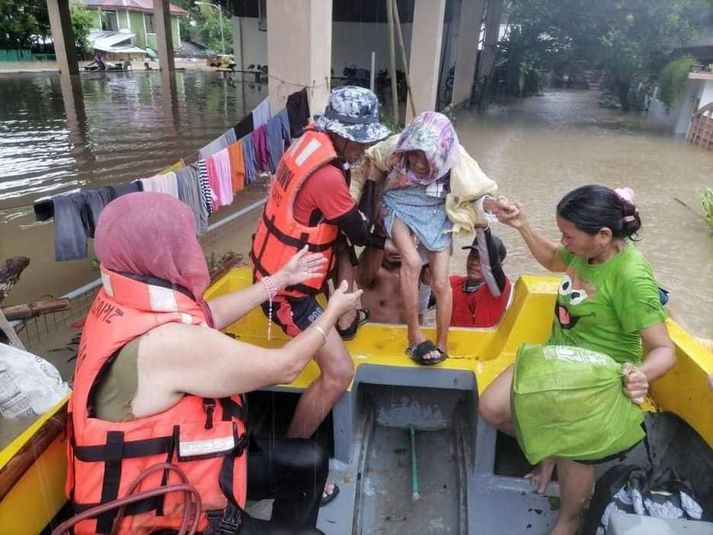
(262,157)
(152,235)
(326,192)
(213,182)
(479,308)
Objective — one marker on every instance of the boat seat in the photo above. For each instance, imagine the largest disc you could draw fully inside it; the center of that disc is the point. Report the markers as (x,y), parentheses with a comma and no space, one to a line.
(627,524)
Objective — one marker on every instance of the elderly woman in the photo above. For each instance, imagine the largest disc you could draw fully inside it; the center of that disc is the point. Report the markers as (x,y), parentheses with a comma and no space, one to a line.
(157,383)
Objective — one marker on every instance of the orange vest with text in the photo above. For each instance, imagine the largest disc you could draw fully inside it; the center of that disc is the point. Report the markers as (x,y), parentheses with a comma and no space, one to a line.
(205,437)
(279,236)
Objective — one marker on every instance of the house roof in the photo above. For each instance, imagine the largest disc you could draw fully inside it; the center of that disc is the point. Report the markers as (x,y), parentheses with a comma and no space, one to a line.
(144,6)
(114,42)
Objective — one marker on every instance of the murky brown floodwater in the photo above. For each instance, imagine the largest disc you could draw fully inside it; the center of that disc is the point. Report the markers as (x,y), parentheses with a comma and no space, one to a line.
(117,127)
(537,149)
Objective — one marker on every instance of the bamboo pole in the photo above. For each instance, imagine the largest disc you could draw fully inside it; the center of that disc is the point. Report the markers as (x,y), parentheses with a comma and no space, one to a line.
(392,61)
(397,21)
(30,310)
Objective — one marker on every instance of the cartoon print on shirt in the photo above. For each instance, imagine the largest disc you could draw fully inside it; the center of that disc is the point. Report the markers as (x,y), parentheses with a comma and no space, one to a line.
(572,291)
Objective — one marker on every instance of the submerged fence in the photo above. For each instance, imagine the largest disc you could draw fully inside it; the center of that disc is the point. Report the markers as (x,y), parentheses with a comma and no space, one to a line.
(701,132)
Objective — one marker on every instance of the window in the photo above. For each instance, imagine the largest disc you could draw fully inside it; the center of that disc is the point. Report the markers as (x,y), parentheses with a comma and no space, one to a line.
(110,22)
(148,23)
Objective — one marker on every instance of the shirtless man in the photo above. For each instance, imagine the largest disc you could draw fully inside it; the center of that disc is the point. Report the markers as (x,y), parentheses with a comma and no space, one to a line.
(378,275)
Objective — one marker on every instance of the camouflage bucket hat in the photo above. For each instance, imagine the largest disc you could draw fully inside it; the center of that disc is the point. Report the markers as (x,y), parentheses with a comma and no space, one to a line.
(352,113)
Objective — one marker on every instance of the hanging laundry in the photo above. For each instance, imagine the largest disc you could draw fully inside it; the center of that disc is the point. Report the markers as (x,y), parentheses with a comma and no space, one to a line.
(44,208)
(278,134)
(189,192)
(262,113)
(175,167)
(70,226)
(237,166)
(96,200)
(249,159)
(244,127)
(213,181)
(213,147)
(221,159)
(161,184)
(206,192)
(298,112)
(262,159)
(230,136)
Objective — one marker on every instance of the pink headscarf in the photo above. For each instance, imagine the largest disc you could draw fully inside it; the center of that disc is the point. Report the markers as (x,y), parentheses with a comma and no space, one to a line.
(432,133)
(152,234)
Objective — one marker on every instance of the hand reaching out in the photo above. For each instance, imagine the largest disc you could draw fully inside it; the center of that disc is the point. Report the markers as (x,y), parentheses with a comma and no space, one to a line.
(341,301)
(302,266)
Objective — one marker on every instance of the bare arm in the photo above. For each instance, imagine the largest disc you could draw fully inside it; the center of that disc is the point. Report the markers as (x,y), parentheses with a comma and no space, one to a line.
(177,359)
(660,358)
(542,248)
(229,308)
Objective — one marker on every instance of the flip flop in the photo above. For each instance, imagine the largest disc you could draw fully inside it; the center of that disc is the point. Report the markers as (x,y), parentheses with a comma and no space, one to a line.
(329,497)
(419,351)
(361,317)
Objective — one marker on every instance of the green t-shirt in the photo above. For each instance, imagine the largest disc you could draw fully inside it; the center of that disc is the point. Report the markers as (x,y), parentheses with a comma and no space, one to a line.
(603,307)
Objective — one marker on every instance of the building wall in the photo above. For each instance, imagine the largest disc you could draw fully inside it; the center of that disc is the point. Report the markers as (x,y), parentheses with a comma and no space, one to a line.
(352,44)
(137,27)
(678,117)
(176,32)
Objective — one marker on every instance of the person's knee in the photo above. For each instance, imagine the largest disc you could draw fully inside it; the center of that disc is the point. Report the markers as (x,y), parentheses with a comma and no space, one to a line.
(411,263)
(339,374)
(440,284)
(492,411)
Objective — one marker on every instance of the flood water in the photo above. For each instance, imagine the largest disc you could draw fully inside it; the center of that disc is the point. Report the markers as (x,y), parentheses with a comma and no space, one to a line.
(539,148)
(110,128)
(126,126)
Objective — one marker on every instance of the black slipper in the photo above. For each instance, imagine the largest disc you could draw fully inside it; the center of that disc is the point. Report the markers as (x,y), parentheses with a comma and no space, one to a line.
(329,497)
(419,351)
(361,317)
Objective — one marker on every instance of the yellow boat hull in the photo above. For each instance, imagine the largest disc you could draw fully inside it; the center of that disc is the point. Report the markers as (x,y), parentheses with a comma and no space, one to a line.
(38,494)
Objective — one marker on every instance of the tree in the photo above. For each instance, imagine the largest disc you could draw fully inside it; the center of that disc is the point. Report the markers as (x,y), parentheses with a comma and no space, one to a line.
(630,40)
(82,23)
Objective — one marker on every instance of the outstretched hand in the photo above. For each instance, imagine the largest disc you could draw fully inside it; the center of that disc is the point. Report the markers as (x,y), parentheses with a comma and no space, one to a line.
(342,302)
(513,215)
(636,384)
(302,266)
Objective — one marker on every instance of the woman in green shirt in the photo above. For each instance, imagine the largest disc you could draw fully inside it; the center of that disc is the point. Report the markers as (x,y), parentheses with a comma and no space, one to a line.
(608,301)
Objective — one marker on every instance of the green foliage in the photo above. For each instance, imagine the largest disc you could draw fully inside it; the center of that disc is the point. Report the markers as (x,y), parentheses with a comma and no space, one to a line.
(630,40)
(673,79)
(207,30)
(82,24)
(707,201)
(20,20)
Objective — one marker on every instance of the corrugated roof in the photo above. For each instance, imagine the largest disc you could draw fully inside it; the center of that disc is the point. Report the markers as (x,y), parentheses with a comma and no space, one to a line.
(144,6)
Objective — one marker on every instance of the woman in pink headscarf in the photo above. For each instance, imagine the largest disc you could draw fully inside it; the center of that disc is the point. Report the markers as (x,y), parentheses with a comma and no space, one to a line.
(154,277)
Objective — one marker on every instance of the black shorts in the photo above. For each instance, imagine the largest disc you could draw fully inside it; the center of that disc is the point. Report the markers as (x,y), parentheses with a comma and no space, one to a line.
(294,314)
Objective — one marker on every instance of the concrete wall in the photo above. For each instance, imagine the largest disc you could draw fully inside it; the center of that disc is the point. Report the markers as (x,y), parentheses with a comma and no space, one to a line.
(678,117)
(352,43)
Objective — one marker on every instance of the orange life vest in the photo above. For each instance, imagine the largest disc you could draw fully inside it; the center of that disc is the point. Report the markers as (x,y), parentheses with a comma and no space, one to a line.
(206,438)
(279,236)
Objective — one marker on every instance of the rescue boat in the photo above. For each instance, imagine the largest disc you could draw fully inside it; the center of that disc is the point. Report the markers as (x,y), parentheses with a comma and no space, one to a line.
(409,452)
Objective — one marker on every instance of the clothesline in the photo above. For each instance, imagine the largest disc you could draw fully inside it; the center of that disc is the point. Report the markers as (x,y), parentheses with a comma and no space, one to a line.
(240,155)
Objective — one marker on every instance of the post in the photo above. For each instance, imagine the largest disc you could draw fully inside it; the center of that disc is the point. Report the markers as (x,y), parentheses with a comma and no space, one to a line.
(469,29)
(238,43)
(373,67)
(63,37)
(425,61)
(392,62)
(492,34)
(164,41)
(299,50)
(220,20)
(402,49)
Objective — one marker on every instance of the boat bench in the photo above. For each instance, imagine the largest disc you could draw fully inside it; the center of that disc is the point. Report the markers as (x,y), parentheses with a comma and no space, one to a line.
(627,524)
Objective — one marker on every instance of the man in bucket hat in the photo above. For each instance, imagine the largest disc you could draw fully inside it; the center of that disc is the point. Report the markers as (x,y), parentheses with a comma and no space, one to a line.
(309,205)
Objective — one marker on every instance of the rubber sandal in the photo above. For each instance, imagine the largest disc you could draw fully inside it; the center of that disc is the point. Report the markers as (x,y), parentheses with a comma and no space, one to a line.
(361,317)
(419,351)
(329,497)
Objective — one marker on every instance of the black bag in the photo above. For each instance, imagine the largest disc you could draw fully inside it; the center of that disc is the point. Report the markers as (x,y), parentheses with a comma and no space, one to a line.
(633,489)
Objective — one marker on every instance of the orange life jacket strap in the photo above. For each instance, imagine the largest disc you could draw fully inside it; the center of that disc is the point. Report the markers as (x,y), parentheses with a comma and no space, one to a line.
(297,243)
